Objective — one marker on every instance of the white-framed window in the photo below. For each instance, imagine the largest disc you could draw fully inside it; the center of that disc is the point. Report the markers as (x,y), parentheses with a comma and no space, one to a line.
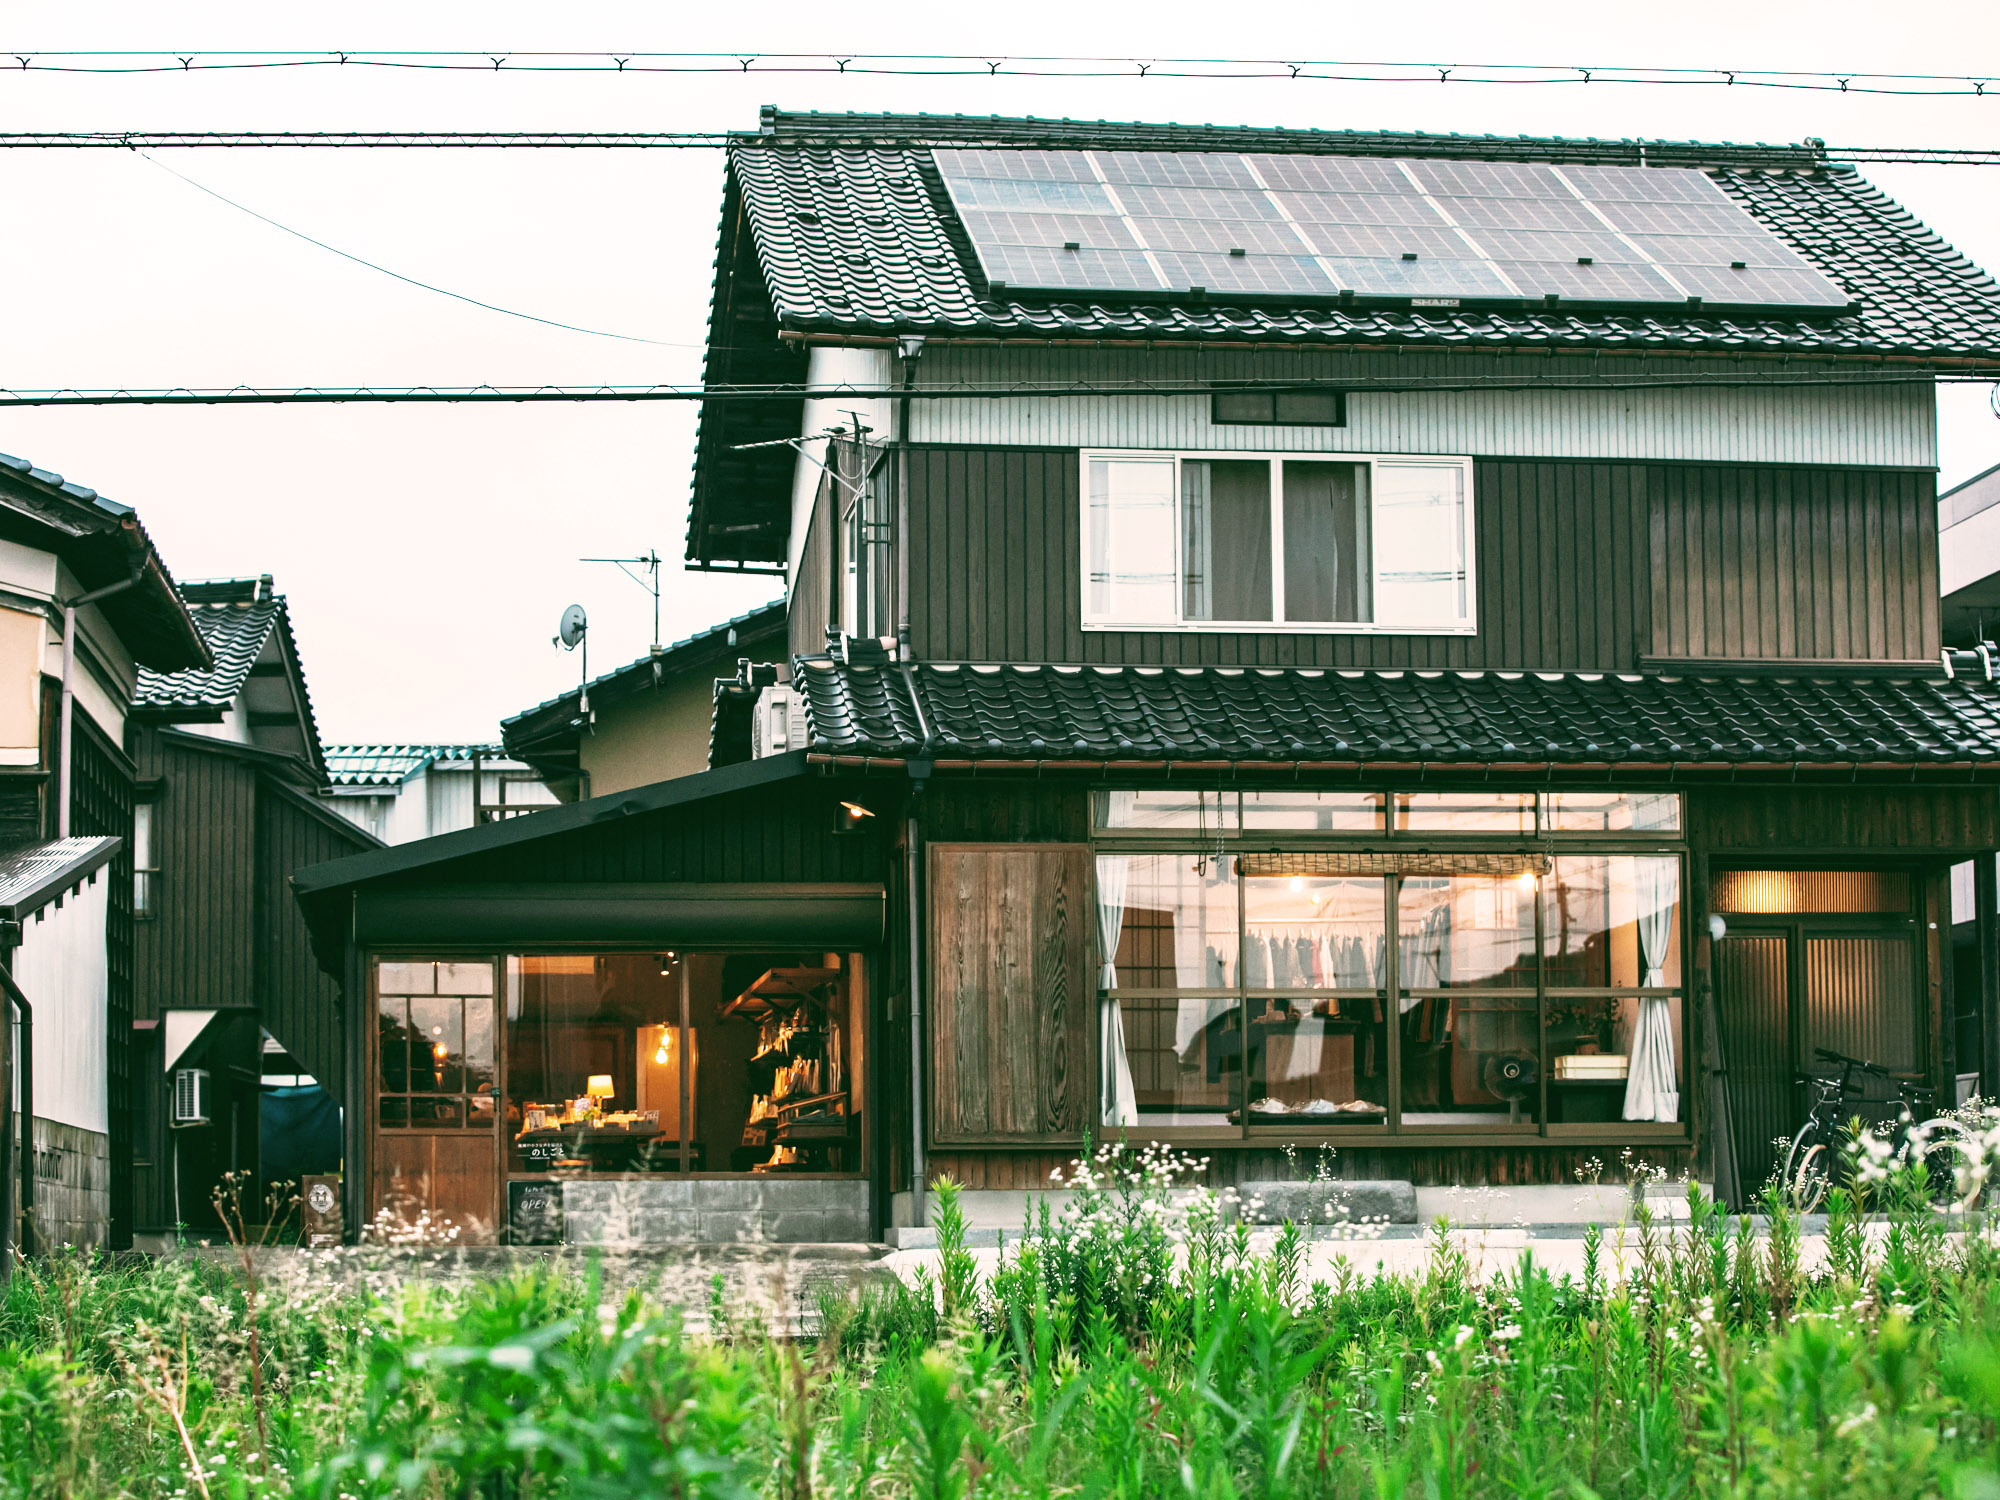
(145,859)
(1287,542)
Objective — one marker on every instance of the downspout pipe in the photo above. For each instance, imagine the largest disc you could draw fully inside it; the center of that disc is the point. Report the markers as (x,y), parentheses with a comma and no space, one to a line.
(24,1069)
(919,768)
(63,752)
(908,348)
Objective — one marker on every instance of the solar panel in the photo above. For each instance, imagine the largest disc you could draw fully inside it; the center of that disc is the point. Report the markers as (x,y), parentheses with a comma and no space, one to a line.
(1317,226)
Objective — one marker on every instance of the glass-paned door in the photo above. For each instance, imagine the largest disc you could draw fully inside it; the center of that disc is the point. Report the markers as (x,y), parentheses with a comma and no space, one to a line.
(1467,1004)
(1753,986)
(436,1086)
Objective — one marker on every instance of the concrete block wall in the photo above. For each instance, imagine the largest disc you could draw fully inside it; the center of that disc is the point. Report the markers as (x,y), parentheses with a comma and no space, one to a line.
(72,1186)
(776,1211)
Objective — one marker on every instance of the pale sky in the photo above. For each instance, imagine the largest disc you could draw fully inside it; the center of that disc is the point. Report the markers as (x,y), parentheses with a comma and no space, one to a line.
(428,550)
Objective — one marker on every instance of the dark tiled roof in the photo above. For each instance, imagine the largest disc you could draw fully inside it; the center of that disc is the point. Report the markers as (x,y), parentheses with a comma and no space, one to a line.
(1467,718)
(235,629)
(102,541)
(855,236)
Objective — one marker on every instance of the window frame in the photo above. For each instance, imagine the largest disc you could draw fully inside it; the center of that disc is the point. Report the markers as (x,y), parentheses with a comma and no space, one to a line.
(1234,841)
(1216,419)
(146,876)
(1468,625)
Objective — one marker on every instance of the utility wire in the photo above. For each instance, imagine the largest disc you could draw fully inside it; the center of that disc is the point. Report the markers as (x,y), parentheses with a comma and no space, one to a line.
(694,140)
(630,338)
(996,65)
(975,391)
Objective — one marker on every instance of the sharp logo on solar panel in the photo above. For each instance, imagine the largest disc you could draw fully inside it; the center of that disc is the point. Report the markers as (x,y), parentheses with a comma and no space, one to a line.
(1429,232)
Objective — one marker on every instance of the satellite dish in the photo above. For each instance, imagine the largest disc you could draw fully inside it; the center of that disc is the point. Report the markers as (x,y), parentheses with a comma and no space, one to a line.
(570,633)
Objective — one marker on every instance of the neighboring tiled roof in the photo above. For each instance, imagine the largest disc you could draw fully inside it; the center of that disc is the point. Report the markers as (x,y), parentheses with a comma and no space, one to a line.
(236,622)
(35,875)
(554,714)
(1271,714)
(856,237)
(102,541)
(392,765)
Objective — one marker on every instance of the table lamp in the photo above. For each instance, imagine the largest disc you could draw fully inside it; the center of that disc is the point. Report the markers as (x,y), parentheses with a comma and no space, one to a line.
(600,1088)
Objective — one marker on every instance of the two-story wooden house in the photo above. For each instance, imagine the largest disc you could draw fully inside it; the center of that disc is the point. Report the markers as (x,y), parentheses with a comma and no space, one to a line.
(1423,644)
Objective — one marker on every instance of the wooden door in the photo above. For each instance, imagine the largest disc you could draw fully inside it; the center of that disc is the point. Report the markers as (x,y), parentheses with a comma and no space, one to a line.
(436,1145)
(1010,993)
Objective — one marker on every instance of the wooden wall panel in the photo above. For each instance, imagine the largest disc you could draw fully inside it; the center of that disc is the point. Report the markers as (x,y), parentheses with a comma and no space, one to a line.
(1230,1164)
(1581,566)
(1928,823)
(454,1176)
(300,1005)
(198,948)
(1812,564)
(1009,1001)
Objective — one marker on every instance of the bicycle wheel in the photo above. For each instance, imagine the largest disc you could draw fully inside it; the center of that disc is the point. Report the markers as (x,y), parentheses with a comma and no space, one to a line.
(1946,1148)
(1806,1171)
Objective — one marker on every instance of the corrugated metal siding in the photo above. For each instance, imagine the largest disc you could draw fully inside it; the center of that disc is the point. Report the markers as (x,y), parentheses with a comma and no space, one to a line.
(1753,1006)
(1864,426)
(300,1004)
(1861,1000)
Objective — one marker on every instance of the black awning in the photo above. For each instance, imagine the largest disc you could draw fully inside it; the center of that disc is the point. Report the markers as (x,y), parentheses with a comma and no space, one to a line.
(579,914)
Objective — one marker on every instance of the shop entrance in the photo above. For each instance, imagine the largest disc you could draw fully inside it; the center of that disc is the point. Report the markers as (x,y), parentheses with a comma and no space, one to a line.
(500,1084)
(1809,959)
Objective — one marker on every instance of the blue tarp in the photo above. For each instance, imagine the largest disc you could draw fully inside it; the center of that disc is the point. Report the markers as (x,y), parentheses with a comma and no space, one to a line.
(298,1133)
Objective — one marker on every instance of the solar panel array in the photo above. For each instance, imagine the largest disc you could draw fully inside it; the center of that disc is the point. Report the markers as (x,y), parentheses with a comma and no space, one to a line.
(1316,226)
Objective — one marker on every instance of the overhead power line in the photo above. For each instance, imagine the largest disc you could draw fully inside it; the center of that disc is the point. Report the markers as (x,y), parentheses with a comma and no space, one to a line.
(1001,65)
(631,338)
(689,140)
(981,391)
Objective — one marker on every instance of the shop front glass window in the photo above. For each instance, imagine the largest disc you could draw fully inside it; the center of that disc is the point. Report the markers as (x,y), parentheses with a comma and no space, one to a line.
(1466,1000)
(1466,812)
(594,1048)
(434,1046)
(1315,955)
(1612,954)
(1171,1023)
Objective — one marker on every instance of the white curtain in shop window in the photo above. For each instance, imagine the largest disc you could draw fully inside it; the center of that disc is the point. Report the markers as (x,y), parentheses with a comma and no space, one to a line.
(1121,1100)
(1652,1092)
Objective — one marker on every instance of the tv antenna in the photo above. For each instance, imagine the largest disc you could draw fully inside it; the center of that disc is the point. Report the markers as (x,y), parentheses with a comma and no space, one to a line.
(650,583)
(572,633)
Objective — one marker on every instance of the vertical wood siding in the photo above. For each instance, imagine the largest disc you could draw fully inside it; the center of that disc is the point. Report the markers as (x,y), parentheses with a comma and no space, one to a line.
(1576,564)
(300,1005)
(811,604)
(1826,564)
(1866,425)
(100,806)
(198,947)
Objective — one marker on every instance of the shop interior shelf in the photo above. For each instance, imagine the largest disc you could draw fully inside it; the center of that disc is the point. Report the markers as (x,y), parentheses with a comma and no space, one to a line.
(781,990)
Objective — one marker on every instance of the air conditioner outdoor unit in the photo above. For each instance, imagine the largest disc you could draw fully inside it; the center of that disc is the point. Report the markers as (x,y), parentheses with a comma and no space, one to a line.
(779,723)
(190,1096)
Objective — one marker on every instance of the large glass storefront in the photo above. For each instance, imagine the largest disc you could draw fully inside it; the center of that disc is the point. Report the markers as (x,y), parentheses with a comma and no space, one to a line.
(1364,962)
(536,1066)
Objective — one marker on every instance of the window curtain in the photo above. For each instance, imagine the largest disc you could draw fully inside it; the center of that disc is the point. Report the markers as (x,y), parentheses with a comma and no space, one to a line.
(1121,1100)
(1198,544)
(1652,1091)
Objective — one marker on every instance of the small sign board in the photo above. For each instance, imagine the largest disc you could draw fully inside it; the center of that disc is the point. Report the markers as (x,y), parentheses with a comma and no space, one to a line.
(541,1156)
(319,1212)
(535,1213)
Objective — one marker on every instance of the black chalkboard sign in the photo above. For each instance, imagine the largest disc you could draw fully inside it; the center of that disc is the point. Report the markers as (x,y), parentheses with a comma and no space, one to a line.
(535,1213)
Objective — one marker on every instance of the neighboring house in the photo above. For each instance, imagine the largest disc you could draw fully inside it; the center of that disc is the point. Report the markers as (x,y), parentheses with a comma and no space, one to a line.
(648,721)
(1421,645)
(402,792)
(66,837)
(231,800)
(1969,575)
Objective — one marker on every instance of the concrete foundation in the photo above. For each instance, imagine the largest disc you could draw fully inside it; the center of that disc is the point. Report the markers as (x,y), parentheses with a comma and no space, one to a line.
(774,1211)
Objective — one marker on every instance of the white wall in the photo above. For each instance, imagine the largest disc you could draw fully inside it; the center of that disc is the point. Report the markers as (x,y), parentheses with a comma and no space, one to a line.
(828,366)
(63,968)
(1864,425)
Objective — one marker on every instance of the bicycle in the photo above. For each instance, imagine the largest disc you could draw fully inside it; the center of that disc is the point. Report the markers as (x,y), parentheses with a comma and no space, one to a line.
(1817,1156)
